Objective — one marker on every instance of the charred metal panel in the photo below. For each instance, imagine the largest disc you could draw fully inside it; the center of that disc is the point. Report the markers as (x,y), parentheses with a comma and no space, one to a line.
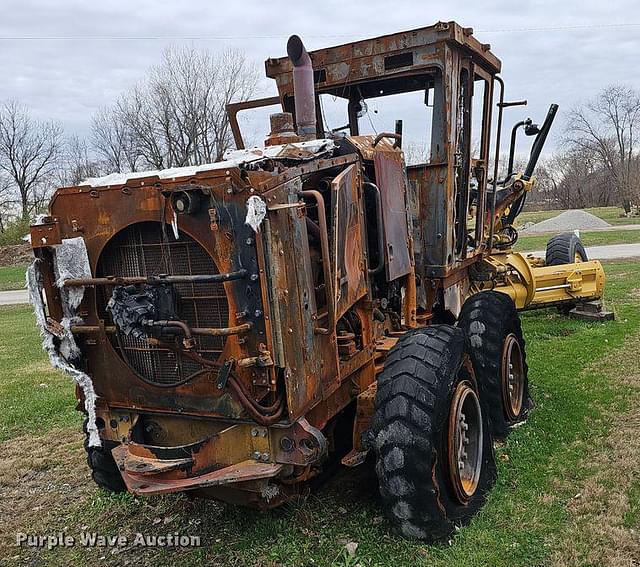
(101,213)
(347,241)
(434,183)
(400,53)
(390,178)
(310,358)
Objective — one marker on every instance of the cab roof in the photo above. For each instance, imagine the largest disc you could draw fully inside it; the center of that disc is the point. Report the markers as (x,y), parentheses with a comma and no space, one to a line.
(388,56)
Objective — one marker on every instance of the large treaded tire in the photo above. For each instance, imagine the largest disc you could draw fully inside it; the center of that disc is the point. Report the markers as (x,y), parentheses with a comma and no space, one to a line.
(104,470)
(563,249)
(410,435)
(487,319)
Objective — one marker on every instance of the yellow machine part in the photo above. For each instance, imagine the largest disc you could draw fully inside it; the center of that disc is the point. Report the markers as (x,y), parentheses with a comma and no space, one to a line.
(532,285)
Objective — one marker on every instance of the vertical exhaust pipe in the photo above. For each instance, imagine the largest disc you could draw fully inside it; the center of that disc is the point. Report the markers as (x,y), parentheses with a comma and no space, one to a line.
(303,88)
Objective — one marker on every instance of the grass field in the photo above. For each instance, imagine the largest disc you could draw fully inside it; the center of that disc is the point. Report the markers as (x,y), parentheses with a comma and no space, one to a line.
(568,489)
(12,277)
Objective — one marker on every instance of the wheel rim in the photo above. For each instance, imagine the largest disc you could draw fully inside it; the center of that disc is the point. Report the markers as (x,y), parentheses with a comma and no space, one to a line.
(465,441)
(577,257)
(512,377)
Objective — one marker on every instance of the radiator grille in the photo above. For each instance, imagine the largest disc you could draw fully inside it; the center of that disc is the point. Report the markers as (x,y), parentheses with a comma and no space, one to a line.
(141,250)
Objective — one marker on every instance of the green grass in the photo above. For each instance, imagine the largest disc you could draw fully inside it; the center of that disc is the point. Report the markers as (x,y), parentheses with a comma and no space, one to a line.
(33,396)
(609,214)
(589,238)
(632,516)
(12,277)
(526,514)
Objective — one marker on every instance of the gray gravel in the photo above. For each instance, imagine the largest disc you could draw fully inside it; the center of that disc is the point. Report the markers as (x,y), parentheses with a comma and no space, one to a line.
(568,221)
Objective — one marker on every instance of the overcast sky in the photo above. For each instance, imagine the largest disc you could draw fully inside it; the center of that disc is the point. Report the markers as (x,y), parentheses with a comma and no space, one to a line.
(66,58)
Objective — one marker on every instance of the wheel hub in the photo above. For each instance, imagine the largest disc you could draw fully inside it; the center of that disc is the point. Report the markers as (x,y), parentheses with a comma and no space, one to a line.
(512,377)
(465,441)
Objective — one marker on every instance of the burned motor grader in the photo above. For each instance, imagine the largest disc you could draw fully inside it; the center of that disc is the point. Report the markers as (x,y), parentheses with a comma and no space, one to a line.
(235,325)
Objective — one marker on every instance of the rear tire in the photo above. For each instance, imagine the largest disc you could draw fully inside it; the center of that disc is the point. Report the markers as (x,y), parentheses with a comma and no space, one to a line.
(565,248)
(495,342)
(104,470)
(426,384)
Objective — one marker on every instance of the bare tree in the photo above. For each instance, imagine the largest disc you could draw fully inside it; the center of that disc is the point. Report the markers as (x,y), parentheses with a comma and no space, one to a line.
(177,116)
(112,140)
(607,128)
(415,153)
(78,164)
(29,154)
(7,201)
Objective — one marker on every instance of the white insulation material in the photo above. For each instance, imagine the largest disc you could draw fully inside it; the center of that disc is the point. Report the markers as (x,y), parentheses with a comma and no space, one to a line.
(256,211)
(235,158)
(71,261)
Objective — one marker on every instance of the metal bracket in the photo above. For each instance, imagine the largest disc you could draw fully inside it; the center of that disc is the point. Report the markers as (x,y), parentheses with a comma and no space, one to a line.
(223,375)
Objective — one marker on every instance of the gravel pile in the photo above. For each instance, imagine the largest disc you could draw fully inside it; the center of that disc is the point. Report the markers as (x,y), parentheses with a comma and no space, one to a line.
(574,219)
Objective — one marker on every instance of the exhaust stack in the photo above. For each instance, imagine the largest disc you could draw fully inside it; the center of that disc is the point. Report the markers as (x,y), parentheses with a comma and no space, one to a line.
(303,88)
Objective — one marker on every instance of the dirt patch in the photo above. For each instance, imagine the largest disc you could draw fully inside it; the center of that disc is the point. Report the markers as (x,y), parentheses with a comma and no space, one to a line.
(599,532)
(15,255)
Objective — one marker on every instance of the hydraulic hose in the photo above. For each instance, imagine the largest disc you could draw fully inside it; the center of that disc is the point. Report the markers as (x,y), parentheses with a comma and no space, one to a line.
(258,411)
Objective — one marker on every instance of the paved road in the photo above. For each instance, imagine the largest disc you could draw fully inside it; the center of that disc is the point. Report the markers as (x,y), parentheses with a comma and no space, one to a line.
(609,252)
(612,228)
(14,297)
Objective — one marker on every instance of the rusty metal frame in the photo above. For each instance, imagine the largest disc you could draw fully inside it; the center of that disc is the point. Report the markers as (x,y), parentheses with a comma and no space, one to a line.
(234,108)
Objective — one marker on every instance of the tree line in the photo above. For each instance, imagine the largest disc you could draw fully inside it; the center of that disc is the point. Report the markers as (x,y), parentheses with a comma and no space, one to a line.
(176,117)
(598,160)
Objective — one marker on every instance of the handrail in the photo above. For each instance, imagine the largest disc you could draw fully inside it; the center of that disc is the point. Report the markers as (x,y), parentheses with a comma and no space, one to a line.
(496,160)
(326,266)
(381,247)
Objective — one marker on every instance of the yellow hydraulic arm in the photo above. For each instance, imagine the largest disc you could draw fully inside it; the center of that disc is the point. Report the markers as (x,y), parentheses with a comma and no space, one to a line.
(533,285)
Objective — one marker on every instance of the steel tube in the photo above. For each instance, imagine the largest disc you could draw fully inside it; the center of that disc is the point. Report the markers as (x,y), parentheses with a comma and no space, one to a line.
(156,280)
(303,88)
(496,159)
(197,331)
(326,266)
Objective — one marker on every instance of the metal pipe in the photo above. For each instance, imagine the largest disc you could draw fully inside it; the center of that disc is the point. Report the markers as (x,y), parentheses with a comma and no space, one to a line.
(392,135)
(222,331)
(538,144)
(156,280)
(512,146)
(551,287)
(169,323)
(197,331)
(326,266)
(303,88)
(496,159)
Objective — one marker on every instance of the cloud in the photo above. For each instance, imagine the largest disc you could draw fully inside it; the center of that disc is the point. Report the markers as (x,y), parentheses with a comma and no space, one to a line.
(68,79)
